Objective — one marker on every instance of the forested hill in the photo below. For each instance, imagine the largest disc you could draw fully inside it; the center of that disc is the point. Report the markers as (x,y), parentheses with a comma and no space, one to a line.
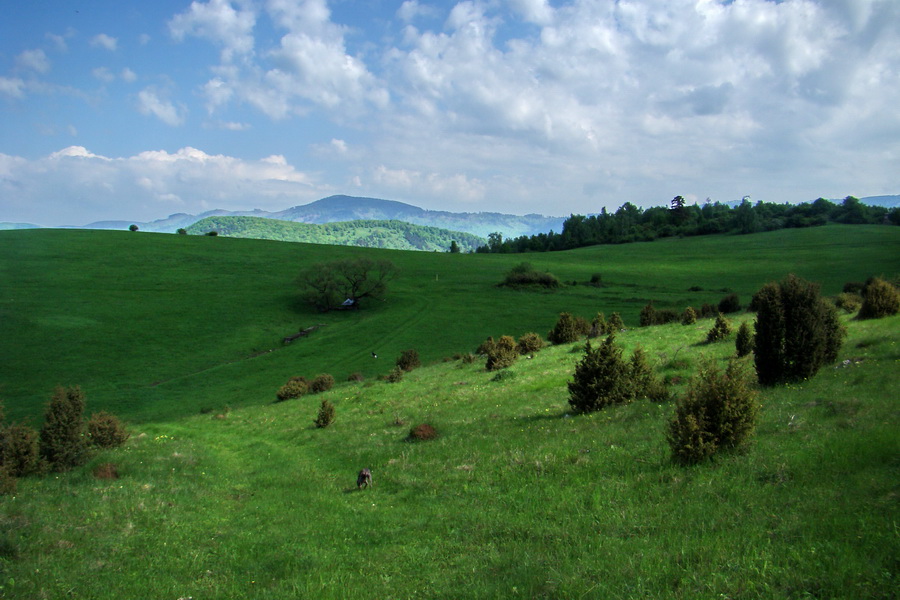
(370,234)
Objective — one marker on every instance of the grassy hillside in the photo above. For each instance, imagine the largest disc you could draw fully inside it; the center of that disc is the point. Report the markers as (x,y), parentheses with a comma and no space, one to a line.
(158,326)
(395,235)
(516,498)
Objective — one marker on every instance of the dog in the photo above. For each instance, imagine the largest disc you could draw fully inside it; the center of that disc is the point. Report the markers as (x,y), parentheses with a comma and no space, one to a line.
(364,479)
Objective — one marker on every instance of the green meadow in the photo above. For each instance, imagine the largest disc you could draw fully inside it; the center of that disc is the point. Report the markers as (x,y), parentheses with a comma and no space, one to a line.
(224,494)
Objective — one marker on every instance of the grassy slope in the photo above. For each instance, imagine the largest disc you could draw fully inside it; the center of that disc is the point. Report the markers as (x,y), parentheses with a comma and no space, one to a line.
(154,326)
(515,499)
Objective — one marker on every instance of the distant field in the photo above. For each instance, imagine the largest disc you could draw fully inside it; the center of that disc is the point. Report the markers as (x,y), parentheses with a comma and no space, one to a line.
(156,326)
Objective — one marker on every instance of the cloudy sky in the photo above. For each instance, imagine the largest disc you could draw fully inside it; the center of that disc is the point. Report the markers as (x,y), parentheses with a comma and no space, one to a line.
(133,110)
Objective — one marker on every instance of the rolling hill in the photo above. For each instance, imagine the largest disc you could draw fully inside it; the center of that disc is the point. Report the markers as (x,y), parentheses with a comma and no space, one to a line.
(397,235)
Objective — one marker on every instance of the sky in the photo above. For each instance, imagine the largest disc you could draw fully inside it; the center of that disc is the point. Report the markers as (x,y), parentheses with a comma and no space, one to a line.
(135,110)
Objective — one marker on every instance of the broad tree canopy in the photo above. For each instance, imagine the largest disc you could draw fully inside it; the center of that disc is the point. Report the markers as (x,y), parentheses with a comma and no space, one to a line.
(328,285)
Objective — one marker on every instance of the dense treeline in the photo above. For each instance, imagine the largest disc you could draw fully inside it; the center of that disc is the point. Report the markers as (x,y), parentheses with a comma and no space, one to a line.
(633,224)
(397,235)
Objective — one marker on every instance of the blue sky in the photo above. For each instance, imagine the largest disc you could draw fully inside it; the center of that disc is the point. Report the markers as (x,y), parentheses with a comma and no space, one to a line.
(135,110)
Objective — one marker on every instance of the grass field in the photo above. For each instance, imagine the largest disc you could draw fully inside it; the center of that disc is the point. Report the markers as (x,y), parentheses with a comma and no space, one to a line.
(516,498)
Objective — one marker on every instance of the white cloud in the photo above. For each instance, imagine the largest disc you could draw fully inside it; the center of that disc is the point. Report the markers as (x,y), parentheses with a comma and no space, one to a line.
(103,74)
(33,60)
(128,75)
(85,187)
(107,42)
(412,10)
(12,87)
(535,11)
(219,22)
(150,103)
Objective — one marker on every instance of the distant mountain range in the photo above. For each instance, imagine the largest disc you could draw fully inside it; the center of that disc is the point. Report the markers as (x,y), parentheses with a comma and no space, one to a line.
(350,208)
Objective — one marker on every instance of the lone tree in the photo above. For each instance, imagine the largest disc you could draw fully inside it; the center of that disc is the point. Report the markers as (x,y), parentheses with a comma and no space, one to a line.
(327,285)
(797,331)
(63,443)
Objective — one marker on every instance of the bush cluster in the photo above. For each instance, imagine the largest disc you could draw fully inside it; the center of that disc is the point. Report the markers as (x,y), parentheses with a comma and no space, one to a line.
(879,299)
(294,388)
(524,274)
(603,378)
(708,311)
(797,331)
(848,302)
(719,411)
(650,315)
(409,360)
(730,304)
(502,354)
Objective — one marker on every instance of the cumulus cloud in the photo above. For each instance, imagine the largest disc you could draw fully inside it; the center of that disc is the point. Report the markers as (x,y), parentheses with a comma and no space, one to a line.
(12,87)
(33,60)
(219,22)
(107,42)
(152,102)
(86,186)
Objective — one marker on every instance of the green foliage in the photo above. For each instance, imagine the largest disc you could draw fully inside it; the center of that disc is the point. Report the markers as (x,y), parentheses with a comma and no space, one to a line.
(565,331)
(602,378)
(321,383)
(615,323)
(529,343)
(730,304)
(599,326)
(721,329)
(525,275)
(132,227)
(708,311)
(356,376)
(797,331)
(62,439)
(395,375)
(409,360)
(106,430)
(454,247)
(648,315)
(325,416)
(744,342)
(397,235)
(503,353)
(327,285)
(294,388)
(645,383)
(8,487)
(19,451)
(880,299)
(689,316)
(596,280)
(182,231)
(485,347)
(848,302)
(718,411)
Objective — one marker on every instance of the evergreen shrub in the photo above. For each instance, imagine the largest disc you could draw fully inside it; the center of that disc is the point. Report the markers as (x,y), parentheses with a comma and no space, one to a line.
(615,323)
(599,326)
(797,331)
(325,416)
(730,304)
(19,451)
(719,411)
(743,344)
(847,302)
(880,299)
(565,331)
(409,360)
(485,346)
(294,388)
(602,378)
(689,316)
(321,383)
(503,354)
(106,430)
(708,311)
(529,343)
(721,329)
(63,443)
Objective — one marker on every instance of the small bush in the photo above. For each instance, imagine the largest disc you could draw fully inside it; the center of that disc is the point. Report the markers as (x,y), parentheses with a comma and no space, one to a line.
(708,311)
(529,343)
(409,360)
(524,274)
(651,316)
(644,382)
(325,416)
(602,378)
(847,302)
(486,346)
(19,451)
(730,304)
(106,430)
(356,376)
(422,433)
(565,331)
(596,280)
(468,358)
(719,411)
(395,375)
(321,383)
(599,326)
(648,315)
(720,330)
(62,441)
(615,323)
(880,299)
(503,354)
(689,316)
(743,344)
(854,287)
(294,388)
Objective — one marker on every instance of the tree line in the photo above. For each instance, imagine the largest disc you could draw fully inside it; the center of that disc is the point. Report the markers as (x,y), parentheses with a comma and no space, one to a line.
(633,224)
